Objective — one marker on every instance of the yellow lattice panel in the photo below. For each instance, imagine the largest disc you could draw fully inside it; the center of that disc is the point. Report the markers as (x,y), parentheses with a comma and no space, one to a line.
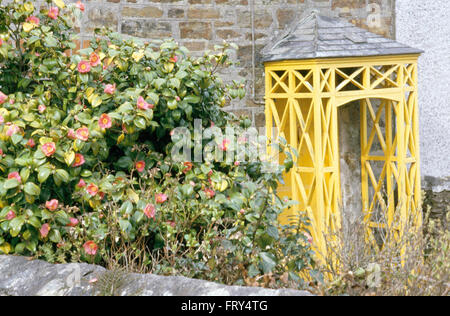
(302,103)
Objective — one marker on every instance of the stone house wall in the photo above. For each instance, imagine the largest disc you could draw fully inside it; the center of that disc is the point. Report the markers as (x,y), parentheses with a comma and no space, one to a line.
(426,25)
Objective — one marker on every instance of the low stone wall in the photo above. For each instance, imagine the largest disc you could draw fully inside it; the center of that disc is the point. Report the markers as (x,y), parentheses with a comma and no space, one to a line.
(20,276)
(439,203)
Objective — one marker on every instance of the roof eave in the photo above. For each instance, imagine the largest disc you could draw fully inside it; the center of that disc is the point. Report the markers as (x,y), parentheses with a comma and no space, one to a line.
(274,60)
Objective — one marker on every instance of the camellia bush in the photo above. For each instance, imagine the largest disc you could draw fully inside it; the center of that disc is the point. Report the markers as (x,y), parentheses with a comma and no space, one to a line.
(85,167)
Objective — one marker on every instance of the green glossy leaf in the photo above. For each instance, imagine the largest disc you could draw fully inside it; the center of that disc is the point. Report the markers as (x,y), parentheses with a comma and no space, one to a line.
(54,236)
(16,138)
(32,189)
(193,99)
(15,226)
(268,262)
(43,174)
(125,226)
(34,221)
(63,175)
(11,184)
(86,173)
(140,123)
(126,208)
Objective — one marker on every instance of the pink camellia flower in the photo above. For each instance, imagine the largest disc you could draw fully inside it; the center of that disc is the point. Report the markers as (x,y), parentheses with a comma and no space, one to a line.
(45,229)
(73,222)
(225,144)
(31,143)
(104,121)
(1,42)
(242,211)
(3,97)
(160,198)
(33,20)
(90,247)
(49,149)
(92,189)
(11,215)
(150,211)
(84,67)
(82,133)
(78,161)
(1,152)
(71,134)
(110,89)
(53,13)
(140,166)
(210,193)
(143,105)
(174,59)
(42,108)
(178,98)
(94,60)
(12,129)
(237,163)
(15,175)
(171,223)
(81,184)
(80,6)
(308,237)
(52,205)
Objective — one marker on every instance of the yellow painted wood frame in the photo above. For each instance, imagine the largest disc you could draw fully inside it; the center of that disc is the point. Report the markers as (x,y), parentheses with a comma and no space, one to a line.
(302,102)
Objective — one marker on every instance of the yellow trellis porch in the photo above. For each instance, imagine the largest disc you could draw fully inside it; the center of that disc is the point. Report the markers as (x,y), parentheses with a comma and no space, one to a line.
(320,65)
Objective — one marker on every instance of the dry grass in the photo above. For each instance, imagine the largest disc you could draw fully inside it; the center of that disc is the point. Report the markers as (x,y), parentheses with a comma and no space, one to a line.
(414,264)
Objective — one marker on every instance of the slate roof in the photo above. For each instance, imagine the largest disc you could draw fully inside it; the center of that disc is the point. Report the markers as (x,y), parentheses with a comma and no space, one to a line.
(319,36)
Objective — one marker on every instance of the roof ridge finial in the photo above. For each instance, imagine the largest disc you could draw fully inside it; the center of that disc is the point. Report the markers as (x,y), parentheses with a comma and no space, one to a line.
(314,14)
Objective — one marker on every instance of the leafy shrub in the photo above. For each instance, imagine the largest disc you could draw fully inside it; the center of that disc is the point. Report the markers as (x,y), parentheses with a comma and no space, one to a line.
(195,220)
(85,164)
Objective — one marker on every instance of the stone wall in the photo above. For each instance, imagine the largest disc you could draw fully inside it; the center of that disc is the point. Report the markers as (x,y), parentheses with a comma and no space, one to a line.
(21,277)
(200,24)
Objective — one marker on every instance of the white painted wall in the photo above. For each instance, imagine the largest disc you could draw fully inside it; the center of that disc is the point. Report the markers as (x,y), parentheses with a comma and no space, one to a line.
(425,24)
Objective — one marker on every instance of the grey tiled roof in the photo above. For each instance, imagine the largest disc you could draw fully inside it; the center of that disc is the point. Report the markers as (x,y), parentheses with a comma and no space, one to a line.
(319,36)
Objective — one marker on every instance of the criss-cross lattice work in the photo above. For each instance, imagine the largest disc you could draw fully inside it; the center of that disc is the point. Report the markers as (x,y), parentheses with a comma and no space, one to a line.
(302,102)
